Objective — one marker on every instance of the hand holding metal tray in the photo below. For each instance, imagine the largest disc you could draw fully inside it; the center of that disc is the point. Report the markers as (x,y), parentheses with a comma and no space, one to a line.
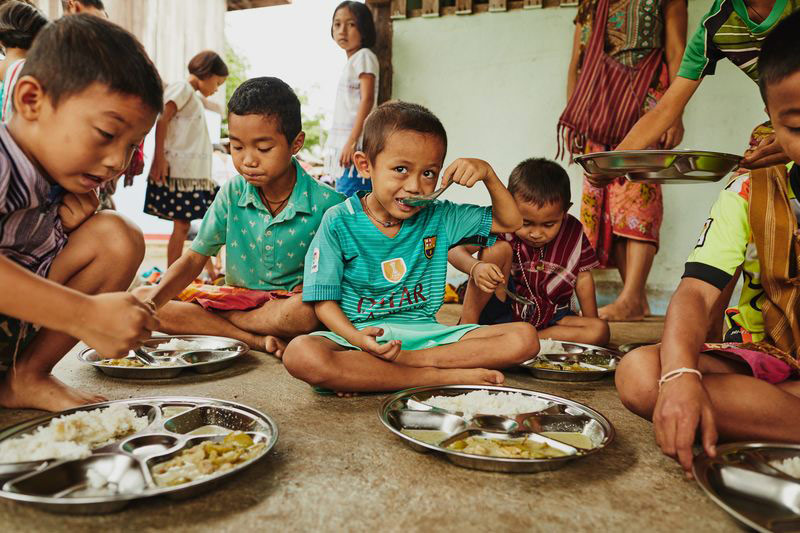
(661,166)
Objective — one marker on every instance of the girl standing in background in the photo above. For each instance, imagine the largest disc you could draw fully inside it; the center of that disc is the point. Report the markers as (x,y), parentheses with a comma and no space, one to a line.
(354,31)
(180,187)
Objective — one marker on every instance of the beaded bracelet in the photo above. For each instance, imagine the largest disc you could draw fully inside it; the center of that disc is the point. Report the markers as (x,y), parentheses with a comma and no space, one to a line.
(674,374)
(473,267)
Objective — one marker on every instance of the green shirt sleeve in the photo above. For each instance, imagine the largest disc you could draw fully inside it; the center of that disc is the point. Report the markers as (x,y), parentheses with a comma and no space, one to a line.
(722,245)
(701,55)
(467,224)
(214,228)
(324,264)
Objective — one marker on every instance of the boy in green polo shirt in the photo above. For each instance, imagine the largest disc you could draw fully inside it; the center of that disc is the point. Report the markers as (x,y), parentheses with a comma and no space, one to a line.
(376,269)
(266,217)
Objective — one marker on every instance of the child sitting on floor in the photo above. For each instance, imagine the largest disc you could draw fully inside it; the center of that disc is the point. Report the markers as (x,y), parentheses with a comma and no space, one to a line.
(748,393)
(266,218)
(542,264)
(79,113)
(376,269)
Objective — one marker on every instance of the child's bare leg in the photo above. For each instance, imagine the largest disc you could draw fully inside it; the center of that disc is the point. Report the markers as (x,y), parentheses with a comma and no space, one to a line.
(475,299)
(180,230)
(745,408)
(578,329)
(321,362)
(499,346)
(102,255)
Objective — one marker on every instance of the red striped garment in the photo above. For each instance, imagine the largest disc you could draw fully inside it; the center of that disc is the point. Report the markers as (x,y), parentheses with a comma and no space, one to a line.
(551,271)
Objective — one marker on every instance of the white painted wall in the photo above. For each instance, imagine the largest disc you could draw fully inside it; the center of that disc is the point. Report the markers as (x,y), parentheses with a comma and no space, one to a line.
(498,82)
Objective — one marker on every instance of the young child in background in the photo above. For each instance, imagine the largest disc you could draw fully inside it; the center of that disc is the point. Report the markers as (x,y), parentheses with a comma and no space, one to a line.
(180,188)
(266,218)
(543,263)
(745,389)
(376,270)
(84,7)
(354,31)
(79,111)
(19,25)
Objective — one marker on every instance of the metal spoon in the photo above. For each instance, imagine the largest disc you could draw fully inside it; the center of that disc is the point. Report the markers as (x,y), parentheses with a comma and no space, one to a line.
(425,199)
(517,298)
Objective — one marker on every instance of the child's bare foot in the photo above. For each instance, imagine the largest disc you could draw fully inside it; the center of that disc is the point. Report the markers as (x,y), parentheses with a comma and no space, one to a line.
(624,311)
(36,391)
(274,346)
(346,394)
(472,376)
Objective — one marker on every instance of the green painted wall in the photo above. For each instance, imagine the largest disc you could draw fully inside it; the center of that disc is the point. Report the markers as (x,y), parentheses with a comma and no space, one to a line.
(497,81)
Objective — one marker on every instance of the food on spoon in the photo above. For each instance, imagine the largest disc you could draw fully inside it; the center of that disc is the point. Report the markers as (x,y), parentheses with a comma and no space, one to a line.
(73,436)
(512,448)
(207,458)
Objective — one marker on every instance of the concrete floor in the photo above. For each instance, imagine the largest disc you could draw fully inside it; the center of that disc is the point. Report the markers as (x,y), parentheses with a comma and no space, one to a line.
(336,468)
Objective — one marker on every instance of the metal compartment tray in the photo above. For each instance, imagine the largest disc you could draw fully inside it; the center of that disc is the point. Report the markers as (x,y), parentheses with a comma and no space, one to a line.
(576,354)
(662,166)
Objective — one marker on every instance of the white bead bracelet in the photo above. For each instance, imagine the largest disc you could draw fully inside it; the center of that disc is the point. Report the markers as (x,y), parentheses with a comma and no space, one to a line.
(674,374)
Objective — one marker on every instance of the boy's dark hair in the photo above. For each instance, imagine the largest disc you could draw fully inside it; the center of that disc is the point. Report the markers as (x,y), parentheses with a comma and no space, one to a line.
(393,116)
(780,53)
(364,22)
(74,52)
(270,97)
(206,64)
(97,4)
(19,24)
(541,182)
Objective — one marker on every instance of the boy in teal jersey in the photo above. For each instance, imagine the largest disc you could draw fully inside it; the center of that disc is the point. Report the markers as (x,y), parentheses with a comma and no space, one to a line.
(376,270)
(753,393)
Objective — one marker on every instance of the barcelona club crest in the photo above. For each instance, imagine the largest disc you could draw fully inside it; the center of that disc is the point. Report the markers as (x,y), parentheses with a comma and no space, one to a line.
(430,245)
(394,269)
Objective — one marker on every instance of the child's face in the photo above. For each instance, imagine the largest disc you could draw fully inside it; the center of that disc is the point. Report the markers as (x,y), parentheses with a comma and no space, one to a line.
(540,224)
(783,106)
(259,149)
(87,140)
(345,31)
(409,165)
(209,86)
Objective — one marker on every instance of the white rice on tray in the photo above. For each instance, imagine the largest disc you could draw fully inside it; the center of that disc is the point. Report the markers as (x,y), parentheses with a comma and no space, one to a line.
(486,403)
(180,344)
(550,346)
(790,466)
(73,436)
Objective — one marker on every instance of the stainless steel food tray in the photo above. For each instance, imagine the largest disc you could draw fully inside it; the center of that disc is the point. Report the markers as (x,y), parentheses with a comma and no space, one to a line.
(407,410)
(741,481)
(577,354)
(216,354)
(55,485)
(662,166)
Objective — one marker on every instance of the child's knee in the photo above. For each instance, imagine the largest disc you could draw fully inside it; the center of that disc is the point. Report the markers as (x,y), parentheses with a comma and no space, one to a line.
(498,254)
(522,342)
(304,360)
(601,333)
(637,379)
(302,316)
(120,238)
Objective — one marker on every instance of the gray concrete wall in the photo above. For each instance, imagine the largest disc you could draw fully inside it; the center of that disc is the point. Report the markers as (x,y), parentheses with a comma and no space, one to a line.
(497,81)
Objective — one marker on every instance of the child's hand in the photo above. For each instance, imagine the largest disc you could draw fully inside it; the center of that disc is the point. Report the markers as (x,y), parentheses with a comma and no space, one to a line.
(115,323)
(159,171)
(369,343)
(346,156)
(467,172)
(767,153)
(487,276)
(75,209)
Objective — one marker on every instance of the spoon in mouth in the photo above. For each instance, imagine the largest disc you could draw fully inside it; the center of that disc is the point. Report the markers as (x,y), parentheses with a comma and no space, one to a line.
(425,199)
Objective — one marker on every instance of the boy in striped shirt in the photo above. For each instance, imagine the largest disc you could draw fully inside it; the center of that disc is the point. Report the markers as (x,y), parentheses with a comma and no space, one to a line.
(87,96)
(376,270)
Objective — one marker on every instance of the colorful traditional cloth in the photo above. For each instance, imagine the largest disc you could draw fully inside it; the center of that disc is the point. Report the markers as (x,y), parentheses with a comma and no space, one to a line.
(619,62)
(726,31)
(264,252)
(377,279)
(774,227)
(227,298)
(726,243)
(550,272)
(765,361)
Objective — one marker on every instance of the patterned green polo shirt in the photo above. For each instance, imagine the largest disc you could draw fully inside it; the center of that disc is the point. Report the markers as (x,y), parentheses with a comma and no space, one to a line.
(264,252)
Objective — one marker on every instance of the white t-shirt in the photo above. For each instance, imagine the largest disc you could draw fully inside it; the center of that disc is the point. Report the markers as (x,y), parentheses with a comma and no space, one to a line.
(348,98)
(187,146)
